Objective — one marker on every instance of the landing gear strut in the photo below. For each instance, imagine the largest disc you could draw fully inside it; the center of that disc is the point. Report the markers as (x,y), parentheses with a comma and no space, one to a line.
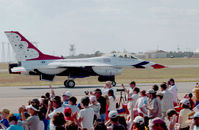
(113,83)
(69,83)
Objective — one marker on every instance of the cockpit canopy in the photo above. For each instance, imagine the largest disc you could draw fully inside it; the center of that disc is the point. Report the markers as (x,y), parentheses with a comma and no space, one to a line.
(124,55)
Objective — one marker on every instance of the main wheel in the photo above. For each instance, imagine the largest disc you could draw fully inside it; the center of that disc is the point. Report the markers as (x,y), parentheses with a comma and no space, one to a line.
(71,83)
(113,83)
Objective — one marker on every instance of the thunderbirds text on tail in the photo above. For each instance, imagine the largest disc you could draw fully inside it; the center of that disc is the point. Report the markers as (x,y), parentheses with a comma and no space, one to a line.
(32,61)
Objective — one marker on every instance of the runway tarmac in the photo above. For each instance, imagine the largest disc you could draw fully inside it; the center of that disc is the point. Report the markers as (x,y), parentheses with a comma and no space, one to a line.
(13,97)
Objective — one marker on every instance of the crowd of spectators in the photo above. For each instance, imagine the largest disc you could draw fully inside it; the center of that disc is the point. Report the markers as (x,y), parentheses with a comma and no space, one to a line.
(155,109)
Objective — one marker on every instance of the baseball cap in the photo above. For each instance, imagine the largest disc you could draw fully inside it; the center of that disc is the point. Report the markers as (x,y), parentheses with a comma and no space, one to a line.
(139,120)
(185,101)
(31,107)
(112,114)
(196,115)
(68,110)
(150,91)
(67,93)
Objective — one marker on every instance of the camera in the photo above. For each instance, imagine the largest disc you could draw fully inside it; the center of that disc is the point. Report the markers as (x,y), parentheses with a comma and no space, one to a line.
(120,90)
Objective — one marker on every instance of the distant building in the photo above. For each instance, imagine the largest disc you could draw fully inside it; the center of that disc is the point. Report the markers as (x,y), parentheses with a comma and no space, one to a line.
(156,54)
(140,55)
(196,53)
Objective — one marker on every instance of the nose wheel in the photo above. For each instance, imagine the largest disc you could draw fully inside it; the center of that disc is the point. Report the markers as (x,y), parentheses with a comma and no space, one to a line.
(69,83)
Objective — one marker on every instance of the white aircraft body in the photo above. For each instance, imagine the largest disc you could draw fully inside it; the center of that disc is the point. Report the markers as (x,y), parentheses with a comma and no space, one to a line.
(32,61)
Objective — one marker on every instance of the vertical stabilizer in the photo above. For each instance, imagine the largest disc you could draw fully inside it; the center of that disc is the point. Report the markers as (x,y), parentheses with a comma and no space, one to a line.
(24,49)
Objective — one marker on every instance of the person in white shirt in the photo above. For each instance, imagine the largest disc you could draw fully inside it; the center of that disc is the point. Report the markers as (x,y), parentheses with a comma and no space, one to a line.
(171,119)
(130,90)
(107,87)
(86,115)
(131,102)
(174,90)
(96,106)
(166,102)
(184,114)
(72,104)
(112,101)
(141,104)
(57,105)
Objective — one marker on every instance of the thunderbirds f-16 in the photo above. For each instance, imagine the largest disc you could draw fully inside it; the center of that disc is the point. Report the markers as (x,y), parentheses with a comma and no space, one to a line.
(32,61)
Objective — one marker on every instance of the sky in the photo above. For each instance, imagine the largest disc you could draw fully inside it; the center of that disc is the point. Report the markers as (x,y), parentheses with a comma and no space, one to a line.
(103,25)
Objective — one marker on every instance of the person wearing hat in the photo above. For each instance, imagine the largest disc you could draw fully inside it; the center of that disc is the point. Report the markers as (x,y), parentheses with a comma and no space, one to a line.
(35,102)
(174,90)
(56,104)
(154,106)
(157,124)
(66,95)
(114,121)
(138,123)
(32,122)
(167,100)
(184,114)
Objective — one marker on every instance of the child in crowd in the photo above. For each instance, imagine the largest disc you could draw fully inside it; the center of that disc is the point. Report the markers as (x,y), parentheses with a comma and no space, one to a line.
(96,107)
(4,115)
(112,101)
(67,114)
(86,115)
(14,123)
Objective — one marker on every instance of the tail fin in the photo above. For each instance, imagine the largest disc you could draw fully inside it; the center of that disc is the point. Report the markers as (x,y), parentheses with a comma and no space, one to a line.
(24,49)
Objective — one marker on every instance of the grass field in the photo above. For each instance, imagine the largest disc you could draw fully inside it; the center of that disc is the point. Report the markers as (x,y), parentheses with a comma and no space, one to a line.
(139,75)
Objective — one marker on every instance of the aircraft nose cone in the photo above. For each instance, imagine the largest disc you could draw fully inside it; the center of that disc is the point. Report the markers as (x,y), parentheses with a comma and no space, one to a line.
(158,66)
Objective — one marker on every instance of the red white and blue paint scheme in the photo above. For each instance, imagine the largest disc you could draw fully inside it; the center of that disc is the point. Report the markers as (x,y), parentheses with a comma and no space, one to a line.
(32,61)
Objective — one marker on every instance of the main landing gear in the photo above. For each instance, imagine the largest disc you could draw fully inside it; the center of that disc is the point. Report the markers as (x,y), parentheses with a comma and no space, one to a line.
(69,83)
(113,83)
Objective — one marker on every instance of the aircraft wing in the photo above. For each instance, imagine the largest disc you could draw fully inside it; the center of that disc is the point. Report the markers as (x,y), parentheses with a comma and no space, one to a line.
(76,64)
